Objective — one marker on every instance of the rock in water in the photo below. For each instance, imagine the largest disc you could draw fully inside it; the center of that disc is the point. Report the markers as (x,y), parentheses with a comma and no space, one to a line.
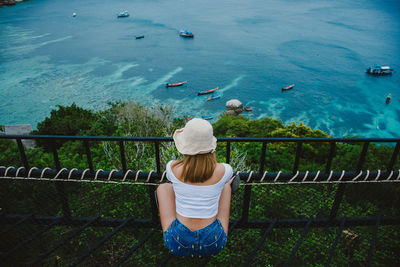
(234,107)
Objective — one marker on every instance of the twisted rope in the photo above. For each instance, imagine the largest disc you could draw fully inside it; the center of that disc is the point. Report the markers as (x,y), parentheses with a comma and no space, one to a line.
(390,176)
(29,173)
(316,176)
(162,176)
(277,176)
(43,171)
(126,174)
(84,172)
(377,176)
(18,170)
(294,177)
(97,173)
(265,174)
(110,175)
(70,172)
(148,176)
(137,174)
(59,172)
(275,179)
(11,167)
(359,174)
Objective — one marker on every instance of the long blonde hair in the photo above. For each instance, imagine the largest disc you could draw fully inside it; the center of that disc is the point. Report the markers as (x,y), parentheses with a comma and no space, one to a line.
(197,168)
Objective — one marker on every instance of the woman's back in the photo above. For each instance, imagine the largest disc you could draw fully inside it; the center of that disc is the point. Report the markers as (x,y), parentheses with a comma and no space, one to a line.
(218,174)
(194,209)
(197,204)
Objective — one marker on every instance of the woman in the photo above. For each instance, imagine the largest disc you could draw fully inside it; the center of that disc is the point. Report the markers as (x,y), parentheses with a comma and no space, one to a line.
(194,209)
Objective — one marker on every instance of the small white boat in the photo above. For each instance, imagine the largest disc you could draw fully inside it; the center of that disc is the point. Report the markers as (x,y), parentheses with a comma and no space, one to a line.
(186,33)
(123,14)
(74,14)
(379,70)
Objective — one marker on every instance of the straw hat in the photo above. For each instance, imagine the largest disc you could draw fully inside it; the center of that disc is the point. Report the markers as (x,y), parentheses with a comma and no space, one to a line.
(195,138)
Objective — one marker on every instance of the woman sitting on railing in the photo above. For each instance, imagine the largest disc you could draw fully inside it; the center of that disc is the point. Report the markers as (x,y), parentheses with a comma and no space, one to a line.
(194,209)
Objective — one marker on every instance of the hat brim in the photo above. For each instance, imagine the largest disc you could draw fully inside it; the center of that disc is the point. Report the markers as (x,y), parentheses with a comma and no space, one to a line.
(190,148)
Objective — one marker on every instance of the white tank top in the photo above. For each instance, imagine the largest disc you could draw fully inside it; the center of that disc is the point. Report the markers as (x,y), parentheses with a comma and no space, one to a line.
(198,201)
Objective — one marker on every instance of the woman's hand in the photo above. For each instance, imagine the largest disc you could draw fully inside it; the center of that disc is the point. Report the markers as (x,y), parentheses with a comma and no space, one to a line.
(234,182)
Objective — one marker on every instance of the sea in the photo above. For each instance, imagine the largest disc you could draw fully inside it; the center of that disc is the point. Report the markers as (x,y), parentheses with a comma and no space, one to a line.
(249,49)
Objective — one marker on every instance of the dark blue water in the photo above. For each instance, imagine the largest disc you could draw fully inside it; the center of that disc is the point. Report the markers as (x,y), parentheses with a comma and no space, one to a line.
(250,49)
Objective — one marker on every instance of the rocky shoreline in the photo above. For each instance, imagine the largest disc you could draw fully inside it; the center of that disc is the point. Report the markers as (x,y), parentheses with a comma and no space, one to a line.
(10,2)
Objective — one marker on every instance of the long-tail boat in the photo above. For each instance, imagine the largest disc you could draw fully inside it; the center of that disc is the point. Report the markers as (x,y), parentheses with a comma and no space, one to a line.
(288,87)
(208,117)
(175,84)
(379,70)
(207,91)
(213,97)
(187,34)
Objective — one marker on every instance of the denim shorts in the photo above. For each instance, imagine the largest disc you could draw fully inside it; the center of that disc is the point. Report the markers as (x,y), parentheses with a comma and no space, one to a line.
(205,242)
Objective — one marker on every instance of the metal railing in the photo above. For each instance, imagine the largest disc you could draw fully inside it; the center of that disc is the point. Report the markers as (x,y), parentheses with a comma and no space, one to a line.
(61,176)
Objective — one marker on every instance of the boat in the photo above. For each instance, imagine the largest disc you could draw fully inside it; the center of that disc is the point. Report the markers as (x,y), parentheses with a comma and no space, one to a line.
(123,14)
(288,87)
(175,84)
(74,14)
(379,70)
(388,98)
(248,108)
(213,97)
(208,117)
(139,36)
(207,91)
(185,33)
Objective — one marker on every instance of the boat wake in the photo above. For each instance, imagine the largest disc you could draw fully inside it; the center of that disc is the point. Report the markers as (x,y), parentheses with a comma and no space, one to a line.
(233,84)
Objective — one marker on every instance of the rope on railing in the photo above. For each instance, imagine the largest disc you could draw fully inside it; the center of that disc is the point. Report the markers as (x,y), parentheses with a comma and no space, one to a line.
(84,172)
(126,174)
(277,176)
(267,178)
(316,176)
(59,172)
(72,170)
(294,177)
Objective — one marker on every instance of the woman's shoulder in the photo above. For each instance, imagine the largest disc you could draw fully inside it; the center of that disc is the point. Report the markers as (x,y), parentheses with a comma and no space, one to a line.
(171,164)
(224,171)
(228,168)
(170,168)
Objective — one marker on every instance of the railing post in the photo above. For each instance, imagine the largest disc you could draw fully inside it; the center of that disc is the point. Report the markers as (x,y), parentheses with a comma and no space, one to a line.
(23,155)
(329,163)
(246,203)
(88,155)
(228,152)
(60,186)
(342,187)
(152,188)
(247,190)
(330,157)
(394,156)
(262,160)
(158,162)
(298,154)
(122,152)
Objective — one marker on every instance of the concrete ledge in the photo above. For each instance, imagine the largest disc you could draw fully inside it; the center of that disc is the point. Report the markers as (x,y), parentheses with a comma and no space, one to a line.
(19,129)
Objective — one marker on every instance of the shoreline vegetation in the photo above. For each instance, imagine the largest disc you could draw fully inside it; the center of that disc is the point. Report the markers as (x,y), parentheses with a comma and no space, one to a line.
(10,2)
(121,201)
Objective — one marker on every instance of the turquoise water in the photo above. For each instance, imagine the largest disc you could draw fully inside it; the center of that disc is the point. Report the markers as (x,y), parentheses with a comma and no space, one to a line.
(249,49)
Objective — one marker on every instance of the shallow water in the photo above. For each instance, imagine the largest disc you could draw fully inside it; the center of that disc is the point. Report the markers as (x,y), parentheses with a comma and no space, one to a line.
(250,49)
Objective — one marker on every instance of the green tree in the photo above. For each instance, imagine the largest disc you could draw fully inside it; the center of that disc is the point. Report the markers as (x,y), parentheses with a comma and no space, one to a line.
(66,120)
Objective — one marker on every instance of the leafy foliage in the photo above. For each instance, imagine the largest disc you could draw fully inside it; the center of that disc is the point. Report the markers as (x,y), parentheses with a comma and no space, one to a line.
(267,202)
